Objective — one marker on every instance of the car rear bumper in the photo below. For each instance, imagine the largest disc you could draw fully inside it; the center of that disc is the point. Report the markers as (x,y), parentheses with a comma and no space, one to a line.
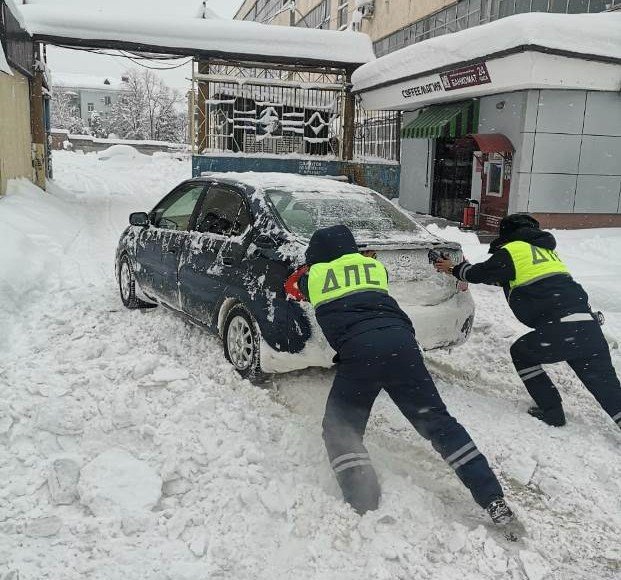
(443,325)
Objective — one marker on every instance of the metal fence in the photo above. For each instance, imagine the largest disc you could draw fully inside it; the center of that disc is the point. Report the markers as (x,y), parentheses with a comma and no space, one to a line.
(377,134)
(257,110)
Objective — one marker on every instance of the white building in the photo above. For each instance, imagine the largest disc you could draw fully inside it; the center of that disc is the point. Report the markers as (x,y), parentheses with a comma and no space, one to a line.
(90,94)
(522,115)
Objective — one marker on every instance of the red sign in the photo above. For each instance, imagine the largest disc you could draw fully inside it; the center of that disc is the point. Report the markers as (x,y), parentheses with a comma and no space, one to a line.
(470,76)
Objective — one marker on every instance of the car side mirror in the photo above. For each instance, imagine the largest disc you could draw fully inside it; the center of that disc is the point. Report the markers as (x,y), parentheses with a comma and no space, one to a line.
(139,218)
(265,242)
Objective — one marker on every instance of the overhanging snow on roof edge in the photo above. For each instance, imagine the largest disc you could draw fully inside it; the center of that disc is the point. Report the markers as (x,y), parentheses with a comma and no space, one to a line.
(596,35)
(193,36)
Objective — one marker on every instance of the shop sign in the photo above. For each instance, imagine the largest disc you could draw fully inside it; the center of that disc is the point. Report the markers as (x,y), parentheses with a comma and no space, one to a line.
(419,90)
(470,76)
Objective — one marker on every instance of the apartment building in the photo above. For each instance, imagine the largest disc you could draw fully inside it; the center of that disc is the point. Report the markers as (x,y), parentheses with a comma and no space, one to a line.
(90,94)
(394,24)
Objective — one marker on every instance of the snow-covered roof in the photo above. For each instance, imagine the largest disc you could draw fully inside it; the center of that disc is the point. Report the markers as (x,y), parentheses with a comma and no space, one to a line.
(82,81)
(185,8)
(591,35)
(109,25)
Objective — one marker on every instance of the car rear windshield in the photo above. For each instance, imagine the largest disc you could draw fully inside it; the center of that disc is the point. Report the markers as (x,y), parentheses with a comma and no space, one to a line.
(367,214)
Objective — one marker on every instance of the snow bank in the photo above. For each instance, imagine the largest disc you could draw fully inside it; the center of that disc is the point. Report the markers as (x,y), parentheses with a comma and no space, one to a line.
(178,31)
(121,153)
(588,34)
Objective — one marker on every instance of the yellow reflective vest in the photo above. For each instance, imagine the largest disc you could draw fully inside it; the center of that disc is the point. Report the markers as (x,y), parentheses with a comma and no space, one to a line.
(346,275)
(533,263)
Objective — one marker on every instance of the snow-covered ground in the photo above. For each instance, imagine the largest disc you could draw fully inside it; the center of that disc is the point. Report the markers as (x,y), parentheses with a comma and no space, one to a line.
(130,449)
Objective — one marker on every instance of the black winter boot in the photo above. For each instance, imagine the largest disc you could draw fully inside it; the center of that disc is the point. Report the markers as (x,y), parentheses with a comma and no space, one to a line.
(553,417)
(505,519)
(500,512)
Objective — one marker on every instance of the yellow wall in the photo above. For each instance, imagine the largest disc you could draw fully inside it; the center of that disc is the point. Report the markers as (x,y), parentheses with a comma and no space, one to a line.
(15,140)
(390,15)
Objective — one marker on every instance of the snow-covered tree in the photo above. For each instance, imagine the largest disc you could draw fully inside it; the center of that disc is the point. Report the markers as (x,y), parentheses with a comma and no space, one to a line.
(64,112)
(99,127)
(148,109)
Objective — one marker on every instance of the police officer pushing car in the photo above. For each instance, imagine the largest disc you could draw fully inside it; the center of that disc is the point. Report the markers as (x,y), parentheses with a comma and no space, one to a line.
(543,295)
(376,349)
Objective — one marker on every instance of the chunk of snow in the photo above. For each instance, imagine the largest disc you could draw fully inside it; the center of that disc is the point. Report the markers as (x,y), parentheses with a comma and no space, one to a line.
(116,483)
(554,31)
(43,527)
(63,481)
(519,468)
(534,565)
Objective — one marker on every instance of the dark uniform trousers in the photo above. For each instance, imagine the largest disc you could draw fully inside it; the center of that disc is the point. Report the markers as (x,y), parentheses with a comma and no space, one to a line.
(583,346)
(389,358)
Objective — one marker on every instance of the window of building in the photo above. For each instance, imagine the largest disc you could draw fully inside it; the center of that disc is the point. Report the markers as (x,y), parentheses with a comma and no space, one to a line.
(469,13)
(342,17)
(264,10)
(90,107)
(107,101)
(318,17)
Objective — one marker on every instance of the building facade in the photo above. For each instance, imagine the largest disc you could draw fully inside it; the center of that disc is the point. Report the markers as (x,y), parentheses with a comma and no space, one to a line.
(17,56)
(89,94)
(395,24)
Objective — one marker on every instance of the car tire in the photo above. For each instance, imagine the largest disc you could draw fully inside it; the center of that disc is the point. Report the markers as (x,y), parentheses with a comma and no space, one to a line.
(127,286)
(242,343)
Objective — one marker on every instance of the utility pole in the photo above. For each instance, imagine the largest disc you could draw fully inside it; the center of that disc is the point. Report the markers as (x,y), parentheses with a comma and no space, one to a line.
(37,121)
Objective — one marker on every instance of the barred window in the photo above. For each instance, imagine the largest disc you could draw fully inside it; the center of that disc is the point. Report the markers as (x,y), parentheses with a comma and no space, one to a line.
(470,13)
(264,10)
(318,17)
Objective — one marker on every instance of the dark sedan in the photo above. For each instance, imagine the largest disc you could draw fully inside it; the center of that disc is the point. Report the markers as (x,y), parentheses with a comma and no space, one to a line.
(226,251)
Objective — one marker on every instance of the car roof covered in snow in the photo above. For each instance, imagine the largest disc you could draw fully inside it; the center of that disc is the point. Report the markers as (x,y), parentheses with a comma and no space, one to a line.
(588,35)
(286,181)
(119,25)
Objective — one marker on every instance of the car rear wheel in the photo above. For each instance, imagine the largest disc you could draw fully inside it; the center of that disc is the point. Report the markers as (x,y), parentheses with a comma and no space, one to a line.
(127,286)
(242,342)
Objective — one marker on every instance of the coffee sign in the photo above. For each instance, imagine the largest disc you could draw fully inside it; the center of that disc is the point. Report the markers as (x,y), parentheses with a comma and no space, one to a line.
(470,76)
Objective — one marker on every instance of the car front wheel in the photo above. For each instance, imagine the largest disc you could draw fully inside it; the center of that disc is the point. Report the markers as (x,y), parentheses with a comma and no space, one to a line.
(127,286)
(242,342)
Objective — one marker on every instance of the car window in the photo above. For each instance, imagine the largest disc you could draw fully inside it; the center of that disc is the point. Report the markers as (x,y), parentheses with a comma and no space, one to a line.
(366,213)
(223,211)
(174,213)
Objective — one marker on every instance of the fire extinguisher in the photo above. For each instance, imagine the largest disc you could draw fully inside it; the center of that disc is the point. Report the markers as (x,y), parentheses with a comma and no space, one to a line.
(470,217)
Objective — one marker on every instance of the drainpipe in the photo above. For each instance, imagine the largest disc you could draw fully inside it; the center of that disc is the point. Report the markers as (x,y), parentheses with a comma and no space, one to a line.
(37,122)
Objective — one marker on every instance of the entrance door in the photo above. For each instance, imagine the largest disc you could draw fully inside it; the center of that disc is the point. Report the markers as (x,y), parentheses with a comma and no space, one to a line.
(452,180)
(495,190)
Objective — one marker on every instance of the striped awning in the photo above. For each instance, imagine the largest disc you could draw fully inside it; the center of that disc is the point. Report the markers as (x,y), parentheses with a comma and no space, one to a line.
(450,120)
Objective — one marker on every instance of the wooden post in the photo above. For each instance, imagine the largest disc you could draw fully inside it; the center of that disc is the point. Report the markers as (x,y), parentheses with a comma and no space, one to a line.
(203,117)
(349,119)
(37,126)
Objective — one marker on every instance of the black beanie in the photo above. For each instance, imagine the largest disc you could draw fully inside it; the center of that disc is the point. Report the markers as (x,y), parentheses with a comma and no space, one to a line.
(517,221)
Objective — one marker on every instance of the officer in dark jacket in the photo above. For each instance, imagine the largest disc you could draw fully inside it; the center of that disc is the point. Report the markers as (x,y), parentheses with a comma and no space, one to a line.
(376,349)
(544,296)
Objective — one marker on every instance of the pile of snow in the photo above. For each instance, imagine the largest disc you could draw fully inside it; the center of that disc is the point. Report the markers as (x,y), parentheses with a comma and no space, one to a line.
(587,34)
(168,28)
(130,449)
(122,153)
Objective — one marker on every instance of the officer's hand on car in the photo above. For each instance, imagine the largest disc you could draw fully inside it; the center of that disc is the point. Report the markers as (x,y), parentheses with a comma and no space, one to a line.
(444,265)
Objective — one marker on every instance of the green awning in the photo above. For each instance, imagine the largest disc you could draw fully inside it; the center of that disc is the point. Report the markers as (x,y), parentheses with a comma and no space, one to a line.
(451,120)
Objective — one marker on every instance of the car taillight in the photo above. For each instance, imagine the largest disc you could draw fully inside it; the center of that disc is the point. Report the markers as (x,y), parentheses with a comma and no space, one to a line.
(292,290)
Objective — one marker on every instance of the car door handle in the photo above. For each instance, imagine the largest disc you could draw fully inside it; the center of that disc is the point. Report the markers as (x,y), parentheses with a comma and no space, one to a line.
(228,261)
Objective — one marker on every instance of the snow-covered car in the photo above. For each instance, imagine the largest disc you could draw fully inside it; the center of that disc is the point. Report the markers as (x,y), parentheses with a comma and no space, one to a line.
(226,250)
